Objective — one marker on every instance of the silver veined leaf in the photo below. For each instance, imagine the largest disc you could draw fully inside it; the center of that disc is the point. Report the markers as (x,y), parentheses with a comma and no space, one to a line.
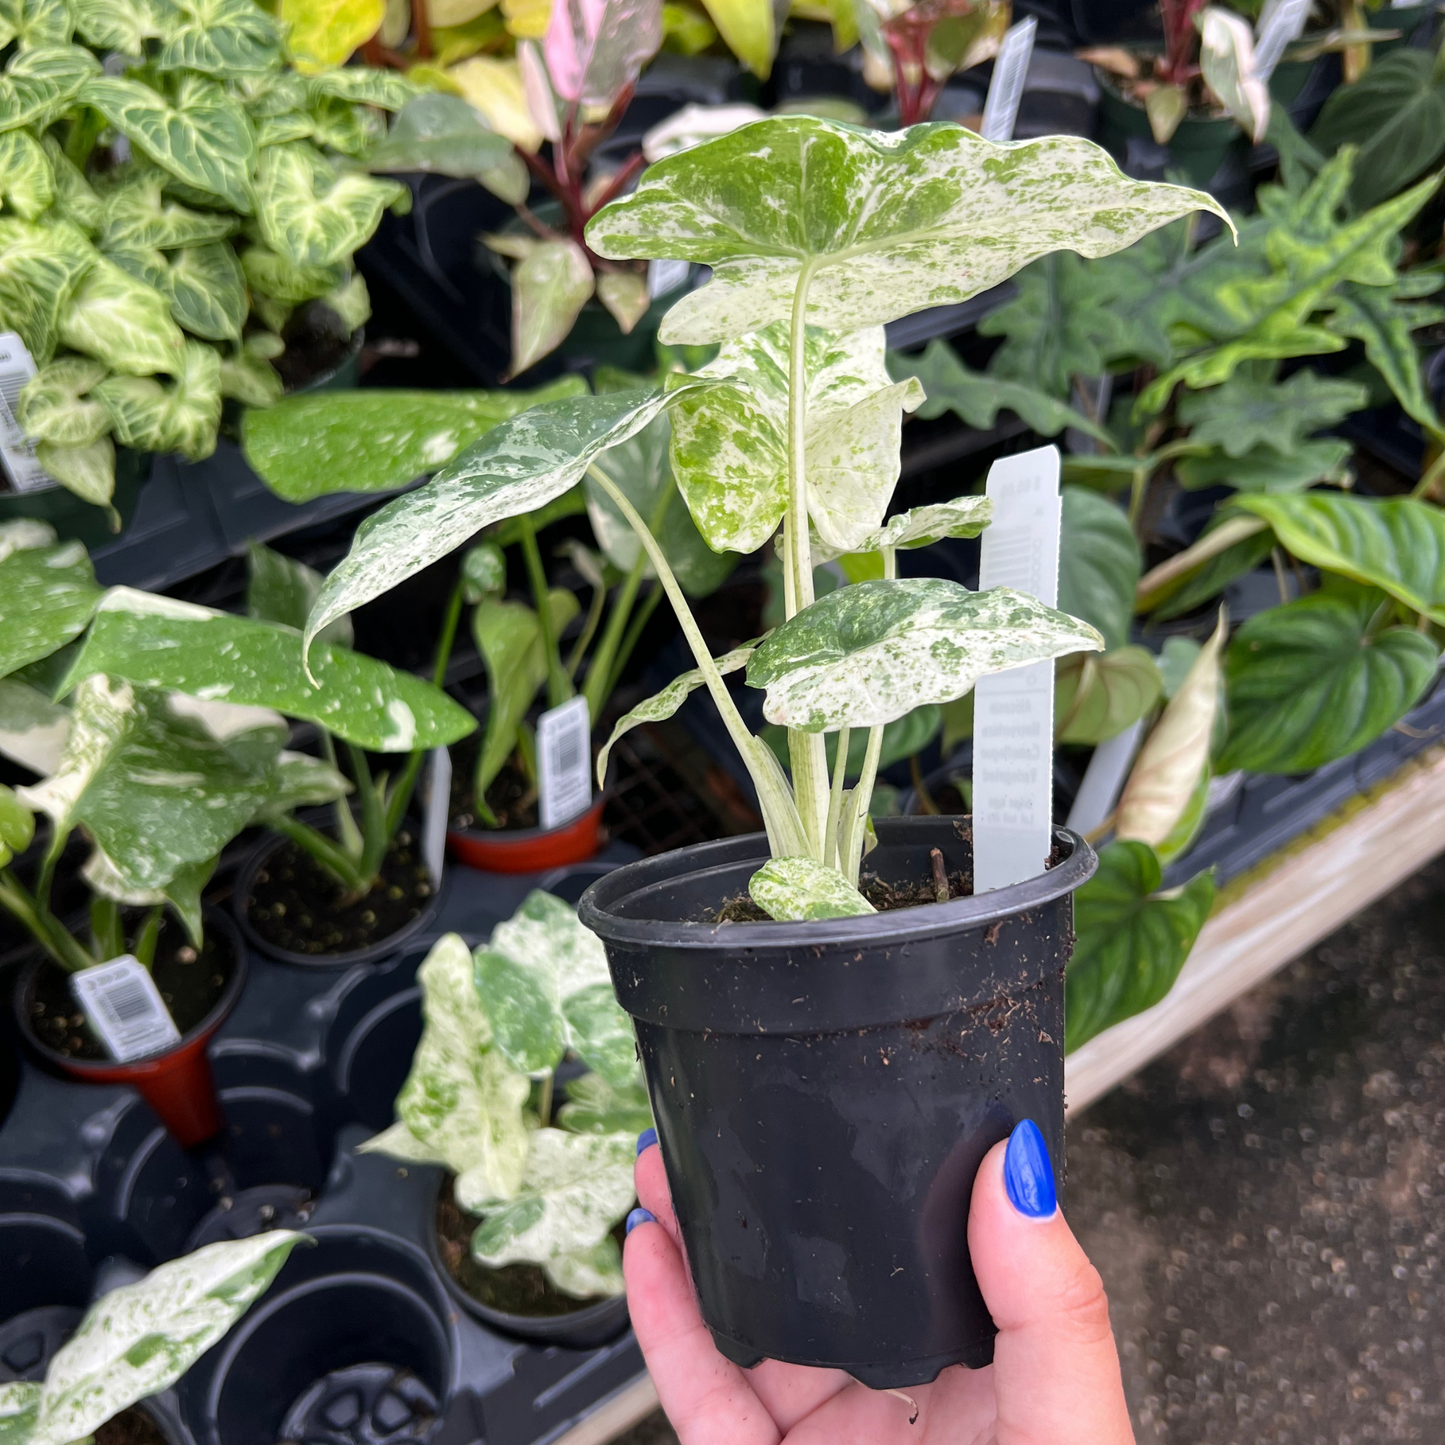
(920,527)
(40,267)
(51,406)
(278,276)
(48,593)
(136,216)
(223,38)
(366,85)
(39,83)
(884,224)
(249,378)
(865,655)
(550,285)
(596,48)
(123,322)
(208,291)
(75,201)
(32,728)
(87,470)
(350,302)
(180,417)
(123,25)
(801,890)
(26,179)
(35,22)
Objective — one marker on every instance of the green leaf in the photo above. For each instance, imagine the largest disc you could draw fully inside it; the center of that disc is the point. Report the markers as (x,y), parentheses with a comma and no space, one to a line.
(26,180)
(1396,544)
(442,134)
(1214,576)
(135,216)
(39,83)
(155,641)
(867,654)
(1097,697)
(182,417)
(35,22)
(17,828)
(123,25)
(1176,658)
(208,291)
(920,527)
(75,201)
(483,572)
(40,267)
(47,593)
(749,28)
(51,407)
(321,34)
(520,997)
(1098,564)
(141,1338)
(977,397)
(32,728)
(19,1407)
(800,890)
(313,214)
(1249,411)
(365,85)
(248,376)
(281,589)
(1131,942)
(1395,113)
(1267,470)
(224,38)
(595,1107)
(1310,682)
(124,323)
(275,276)
(520,465)
(550,285)
(202,138)
(88,471)
(884,224)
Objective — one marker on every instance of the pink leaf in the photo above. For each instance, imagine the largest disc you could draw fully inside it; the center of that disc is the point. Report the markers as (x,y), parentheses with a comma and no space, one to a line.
(596,48)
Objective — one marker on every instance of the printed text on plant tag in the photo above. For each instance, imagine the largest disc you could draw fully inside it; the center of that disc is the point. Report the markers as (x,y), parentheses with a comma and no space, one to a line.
(124,1008)
(564,762)
(1006,89)
(17,451)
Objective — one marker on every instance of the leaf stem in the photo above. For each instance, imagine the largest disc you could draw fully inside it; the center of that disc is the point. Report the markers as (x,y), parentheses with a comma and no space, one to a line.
(1436,470)
(599,670)
(146,937)
(346,829)
(559,685)
(331,856)
(835,798)
(42,925)
(639,620)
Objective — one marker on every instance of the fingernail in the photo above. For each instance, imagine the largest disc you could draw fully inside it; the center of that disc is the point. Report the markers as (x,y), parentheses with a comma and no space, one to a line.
(1027,1174)
(646,1139)
(640,1216)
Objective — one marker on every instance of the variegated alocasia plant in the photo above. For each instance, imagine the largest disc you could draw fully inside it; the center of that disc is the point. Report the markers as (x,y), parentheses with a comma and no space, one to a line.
(141,1338)
(549,1184)
(817,234)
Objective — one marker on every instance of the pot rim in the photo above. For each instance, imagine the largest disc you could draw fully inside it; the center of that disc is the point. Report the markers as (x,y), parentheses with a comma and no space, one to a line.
(503,837)
(897,925)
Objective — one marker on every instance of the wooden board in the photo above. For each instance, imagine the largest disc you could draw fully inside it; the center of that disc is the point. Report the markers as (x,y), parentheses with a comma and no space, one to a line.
(615,1416)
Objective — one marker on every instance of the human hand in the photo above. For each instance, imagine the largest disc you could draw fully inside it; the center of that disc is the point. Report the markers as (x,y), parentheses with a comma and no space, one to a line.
(1055,1376)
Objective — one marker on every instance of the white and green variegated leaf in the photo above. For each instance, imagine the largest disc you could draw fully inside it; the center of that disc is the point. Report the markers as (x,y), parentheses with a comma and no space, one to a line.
(519,465)
(40,82)
(123,25)
(75,200)
(208,291)
(88,471)
(183,892)
(35,22)
(48,594)
(349,130)
(865,655)
(522,1005)
(594,1107)
(663,705)
(223,38)
(882,224)
(1226,56)
(313,214)
(920,527)
(19,1407)
(148,266)
(136,216)
(32,728)
(300,781)
(141,1338)
(123,322)
(400,1143)
(27,182)
(341,441)
(181,416)
(17,829)
(587,1273)
(365,85)
(154,641)
(575,1189)
(203,137)
(247,374)
(274,275)
(281,589)
(53,407)
(801,890)
(40,268)
(278,130)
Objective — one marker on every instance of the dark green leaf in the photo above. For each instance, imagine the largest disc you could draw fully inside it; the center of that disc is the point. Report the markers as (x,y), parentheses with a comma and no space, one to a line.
(1214,576)
(1250,411)
(1097,696)
(442,134)
(47,593)
(1098,564)
(1266,470)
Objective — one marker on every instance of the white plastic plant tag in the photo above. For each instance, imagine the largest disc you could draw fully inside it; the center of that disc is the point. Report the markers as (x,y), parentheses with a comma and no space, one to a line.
(17,451)
(1006,89)
(1104,778)
(1280,25)
(666,275)
(1013,712)
(564,762)
(438,807)
(124,1008)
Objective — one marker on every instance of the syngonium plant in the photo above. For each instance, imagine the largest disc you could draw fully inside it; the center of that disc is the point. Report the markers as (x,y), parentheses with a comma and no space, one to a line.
(550,1183)
(165,218)
(139,1339)
(817,234)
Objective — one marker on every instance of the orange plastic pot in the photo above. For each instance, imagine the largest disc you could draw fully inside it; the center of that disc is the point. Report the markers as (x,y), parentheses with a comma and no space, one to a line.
(531,850)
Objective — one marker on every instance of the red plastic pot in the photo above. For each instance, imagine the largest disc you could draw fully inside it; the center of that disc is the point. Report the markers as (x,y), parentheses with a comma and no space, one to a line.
(177,1085)
(531,850)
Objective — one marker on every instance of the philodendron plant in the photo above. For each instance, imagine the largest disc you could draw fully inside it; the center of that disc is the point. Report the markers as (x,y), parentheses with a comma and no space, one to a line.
(817,234)
(550,1183)
(139,1339)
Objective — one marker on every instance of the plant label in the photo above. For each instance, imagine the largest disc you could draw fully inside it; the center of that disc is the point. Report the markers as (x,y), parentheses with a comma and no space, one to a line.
(664,276)
(17,451)
(564,762)
(1104,777)
(438,807)
(1013,712)
(1280,27)
(1006,89)
(124,1008)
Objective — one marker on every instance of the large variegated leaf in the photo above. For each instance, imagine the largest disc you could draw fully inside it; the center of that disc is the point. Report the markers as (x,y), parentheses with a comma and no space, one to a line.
(47,593)
(224,38)
(281,589)
(40,82)
(152,416)
(123,322)
(550,284)
(88,471)
(19,1405)
(321,34)
(32,728)
(313,214)
(342,441)
(800,890)
(141,1338)
(203,137)
(517,467)
(123,25)
(882,224)
(867,654)
(596,48)
(730,444)
(443,134)
(27,182)
(40,267)
(154,641)
(594,1107)
(52,406)
(135,216)
(35,22)
(921,527)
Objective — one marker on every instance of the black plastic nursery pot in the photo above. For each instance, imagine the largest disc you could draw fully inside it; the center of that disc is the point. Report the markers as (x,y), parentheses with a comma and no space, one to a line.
(825,1092)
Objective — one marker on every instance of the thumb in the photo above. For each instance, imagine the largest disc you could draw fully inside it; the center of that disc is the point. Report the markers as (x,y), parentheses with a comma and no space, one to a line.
(1056,1371)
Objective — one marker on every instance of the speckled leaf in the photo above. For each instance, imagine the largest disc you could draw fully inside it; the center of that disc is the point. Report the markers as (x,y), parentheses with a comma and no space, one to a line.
(88,471)
(155,641)
(595,1107)
(867,654)
(517,467)
(587,1273)
(40,267)
(596,48)
(310,212)
(1098,696)
(40,82)
(801,890)
(19,1406)
(520,997)
(884,223)
(32,728)
(35,22)
(181,416)
(321,34)
(281,589)
(52,405)
(136,216)
(26,180)
(921,527)
(224,38)
(202,138)
(663,705)
(123,25)
(122,322)
(442,134)
(1099,564)
(550,285)
(47,593)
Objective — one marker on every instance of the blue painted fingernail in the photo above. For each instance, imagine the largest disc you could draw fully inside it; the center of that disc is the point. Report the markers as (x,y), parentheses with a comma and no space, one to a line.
(646,1139)
(1028,1175)
(640,1216)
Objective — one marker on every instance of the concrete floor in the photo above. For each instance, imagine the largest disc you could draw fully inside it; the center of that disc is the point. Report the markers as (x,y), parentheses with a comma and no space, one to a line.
(1267,1202)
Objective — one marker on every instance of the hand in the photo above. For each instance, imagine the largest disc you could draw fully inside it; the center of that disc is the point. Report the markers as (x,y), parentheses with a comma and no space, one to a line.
(1054,1380)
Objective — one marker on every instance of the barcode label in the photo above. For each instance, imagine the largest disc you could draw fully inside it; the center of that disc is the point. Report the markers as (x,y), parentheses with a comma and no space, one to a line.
(564,762)
(665,276)
(1006,89)
(17,451)
(124,1009)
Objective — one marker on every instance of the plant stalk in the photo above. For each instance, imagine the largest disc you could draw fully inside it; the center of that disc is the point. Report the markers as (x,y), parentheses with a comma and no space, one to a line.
(640,620)
(146,938)
(835,797)
(559,685)
(599,670)
(331,856)
(42,925)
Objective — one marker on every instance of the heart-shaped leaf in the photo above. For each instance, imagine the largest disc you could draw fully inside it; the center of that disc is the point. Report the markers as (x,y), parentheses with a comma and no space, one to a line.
(224,38)
(180,417)
(136,217)
(883,224)
(208,291)
(1131,941)
(864,655)
(1099,564)
(1098,696)
(40,267)
(750,29)
(35,22)
(123,25)
(550,285)
(442,134)
(312,214)
(365,85)
(39,83)
(801,890)
(75,201)
(52,408)
(596,48)
(123,322)
(88,470)
(26,180)
(47,593)
(321,34)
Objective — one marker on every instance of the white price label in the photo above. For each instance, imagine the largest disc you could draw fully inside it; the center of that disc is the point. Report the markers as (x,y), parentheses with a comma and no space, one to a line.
(666,275)
(124,1008)
(564,762)
(1013,712)
(17,451)
(1280,25)
(438,810)
(1006,89)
